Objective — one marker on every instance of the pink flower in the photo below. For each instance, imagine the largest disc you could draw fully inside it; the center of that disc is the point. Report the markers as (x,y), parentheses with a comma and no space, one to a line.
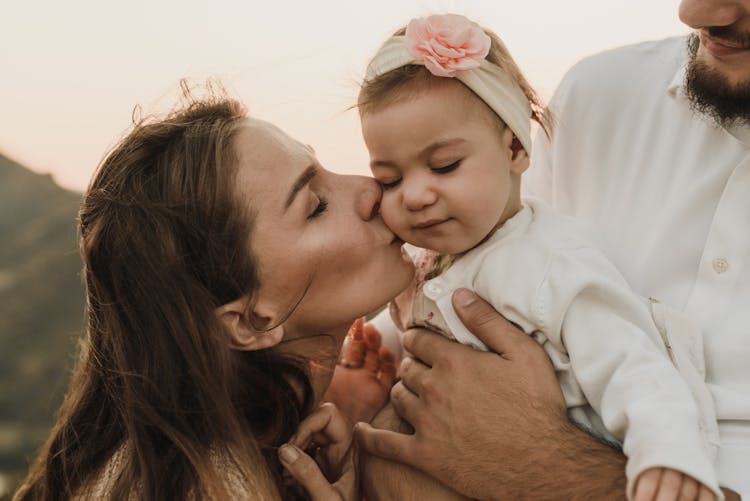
(447,43)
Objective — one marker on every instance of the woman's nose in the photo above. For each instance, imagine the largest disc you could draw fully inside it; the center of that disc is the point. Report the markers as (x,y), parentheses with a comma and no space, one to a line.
(367,195)
(706,13)
(417,195)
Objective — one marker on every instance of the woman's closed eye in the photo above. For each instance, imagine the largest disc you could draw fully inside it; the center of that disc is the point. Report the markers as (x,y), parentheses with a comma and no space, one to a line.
(319,209)
(446,169)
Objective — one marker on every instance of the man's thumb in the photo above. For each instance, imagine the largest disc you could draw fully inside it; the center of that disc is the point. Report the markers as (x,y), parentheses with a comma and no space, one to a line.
(494,330)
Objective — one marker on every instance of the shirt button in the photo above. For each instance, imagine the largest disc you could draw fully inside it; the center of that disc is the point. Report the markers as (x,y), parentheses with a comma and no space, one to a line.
(720,265)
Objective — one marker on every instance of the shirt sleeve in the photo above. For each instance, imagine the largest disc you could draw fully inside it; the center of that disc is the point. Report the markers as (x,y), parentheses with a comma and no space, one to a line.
(620,363)
(389,332)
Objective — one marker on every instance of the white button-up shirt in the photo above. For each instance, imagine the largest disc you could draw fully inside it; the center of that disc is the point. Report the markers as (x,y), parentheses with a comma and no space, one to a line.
(667,193)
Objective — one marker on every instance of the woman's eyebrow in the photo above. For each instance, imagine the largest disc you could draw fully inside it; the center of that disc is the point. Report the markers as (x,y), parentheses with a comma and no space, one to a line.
(302,181)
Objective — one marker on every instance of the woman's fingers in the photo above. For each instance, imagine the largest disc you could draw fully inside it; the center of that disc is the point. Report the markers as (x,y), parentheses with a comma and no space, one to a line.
(306,471)
(327,427)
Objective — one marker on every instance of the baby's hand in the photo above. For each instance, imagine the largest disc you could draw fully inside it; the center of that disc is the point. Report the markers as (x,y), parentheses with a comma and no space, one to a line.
(667,484)
(363,379)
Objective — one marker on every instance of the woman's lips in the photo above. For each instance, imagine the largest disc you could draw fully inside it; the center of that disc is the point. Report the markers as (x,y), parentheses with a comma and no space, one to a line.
(720,48)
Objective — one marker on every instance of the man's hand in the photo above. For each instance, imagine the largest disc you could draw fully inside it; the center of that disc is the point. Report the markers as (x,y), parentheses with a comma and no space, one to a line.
(492,425)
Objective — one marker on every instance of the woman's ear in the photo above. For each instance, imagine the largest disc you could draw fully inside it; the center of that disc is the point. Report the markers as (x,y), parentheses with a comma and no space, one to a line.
(519,157)
(245,326)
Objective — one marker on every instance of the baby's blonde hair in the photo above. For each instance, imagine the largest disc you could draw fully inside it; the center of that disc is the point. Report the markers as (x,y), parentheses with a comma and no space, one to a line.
(387,88)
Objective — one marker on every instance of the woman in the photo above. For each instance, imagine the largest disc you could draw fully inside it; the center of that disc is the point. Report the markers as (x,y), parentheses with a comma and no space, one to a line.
(223,267)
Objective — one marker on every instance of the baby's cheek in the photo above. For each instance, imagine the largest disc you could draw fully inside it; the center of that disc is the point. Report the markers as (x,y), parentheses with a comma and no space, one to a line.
(392,215)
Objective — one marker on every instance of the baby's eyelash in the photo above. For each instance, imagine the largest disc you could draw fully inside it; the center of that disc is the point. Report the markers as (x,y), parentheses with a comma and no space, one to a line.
(388,186)
(447,168)
(319,209)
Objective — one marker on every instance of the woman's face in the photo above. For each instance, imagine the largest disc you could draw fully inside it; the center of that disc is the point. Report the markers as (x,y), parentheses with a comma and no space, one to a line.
(324,254)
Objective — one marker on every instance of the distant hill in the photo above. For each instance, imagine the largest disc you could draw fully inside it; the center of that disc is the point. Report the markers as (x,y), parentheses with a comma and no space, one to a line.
(41,307)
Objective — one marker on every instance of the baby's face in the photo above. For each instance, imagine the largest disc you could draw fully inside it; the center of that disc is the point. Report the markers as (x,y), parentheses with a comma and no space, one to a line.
(446,168)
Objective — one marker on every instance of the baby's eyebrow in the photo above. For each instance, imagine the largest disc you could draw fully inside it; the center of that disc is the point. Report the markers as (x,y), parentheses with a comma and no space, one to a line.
(442,144)
(303,180)
(424,153)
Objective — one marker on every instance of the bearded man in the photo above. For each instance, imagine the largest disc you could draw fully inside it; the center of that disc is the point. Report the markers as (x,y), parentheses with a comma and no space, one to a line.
(652,149)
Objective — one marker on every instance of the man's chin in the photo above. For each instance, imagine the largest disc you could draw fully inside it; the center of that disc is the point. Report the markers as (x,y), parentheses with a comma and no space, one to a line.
(712,93)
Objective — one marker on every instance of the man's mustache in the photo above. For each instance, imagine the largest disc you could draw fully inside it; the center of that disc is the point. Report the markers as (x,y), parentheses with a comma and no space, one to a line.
(729,34)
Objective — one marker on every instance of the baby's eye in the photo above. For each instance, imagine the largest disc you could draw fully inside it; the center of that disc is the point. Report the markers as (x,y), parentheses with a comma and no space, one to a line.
(319,209)
(446,169)
(390,184)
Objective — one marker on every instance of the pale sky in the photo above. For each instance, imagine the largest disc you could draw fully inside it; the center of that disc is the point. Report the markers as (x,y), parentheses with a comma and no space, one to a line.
(73,70)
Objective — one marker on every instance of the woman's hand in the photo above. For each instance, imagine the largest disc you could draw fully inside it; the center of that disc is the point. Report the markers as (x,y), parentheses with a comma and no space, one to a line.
(331,475)
(363,378)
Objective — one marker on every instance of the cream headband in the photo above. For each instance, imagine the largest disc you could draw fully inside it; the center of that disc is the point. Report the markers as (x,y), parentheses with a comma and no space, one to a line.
(452,46)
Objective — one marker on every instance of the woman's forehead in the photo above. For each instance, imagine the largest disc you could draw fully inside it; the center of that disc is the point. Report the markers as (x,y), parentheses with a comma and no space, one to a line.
(268,163)
(261,140)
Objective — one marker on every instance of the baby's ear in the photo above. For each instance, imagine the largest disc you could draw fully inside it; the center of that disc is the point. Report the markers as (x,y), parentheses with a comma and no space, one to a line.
(242,324)
(519,157)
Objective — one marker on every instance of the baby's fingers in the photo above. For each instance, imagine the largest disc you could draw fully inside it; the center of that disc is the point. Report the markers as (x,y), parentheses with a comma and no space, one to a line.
(689,489)
(670,485)
(306,471)
(647,485)
(693,490)
(706,494)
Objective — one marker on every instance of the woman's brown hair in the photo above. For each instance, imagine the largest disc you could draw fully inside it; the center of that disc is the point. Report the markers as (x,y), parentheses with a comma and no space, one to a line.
(158,401)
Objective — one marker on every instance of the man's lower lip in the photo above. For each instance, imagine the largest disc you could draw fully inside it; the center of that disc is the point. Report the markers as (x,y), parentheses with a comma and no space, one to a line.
(717,49)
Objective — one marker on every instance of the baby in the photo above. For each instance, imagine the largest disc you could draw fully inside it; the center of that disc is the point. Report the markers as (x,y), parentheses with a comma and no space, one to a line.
(446,115)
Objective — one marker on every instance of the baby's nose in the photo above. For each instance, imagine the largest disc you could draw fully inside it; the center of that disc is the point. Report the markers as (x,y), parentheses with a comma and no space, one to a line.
(418,196)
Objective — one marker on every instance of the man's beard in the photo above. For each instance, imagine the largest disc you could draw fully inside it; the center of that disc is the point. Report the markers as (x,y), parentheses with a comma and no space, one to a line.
(712,94)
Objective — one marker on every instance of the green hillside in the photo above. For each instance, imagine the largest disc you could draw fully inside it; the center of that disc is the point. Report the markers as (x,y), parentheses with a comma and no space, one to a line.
(41,307)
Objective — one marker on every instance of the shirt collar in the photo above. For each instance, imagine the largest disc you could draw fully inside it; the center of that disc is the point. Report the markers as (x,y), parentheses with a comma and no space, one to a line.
(677,85)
